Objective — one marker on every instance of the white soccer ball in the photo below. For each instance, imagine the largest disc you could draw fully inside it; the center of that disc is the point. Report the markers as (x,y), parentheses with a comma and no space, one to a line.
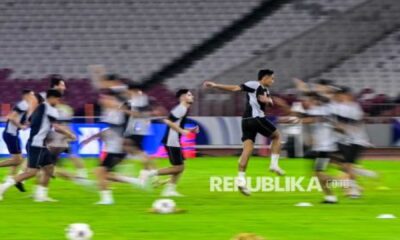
(164,206)
(79,231)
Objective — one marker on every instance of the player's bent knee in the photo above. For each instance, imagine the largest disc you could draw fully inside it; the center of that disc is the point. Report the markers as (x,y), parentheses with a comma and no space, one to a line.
(19,161)
(248,147)
(179,168)
(31,172)
(276,135)
(15,162)
(99,171)
(49,169)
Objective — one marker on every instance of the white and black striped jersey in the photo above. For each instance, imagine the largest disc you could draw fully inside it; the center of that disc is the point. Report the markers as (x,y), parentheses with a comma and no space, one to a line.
(117,121)
(350,117)
(324,137)
(21,109)
(113,141)
(113,137)
(178,116)
(254,108)
(115,117)
(55,139)
(41,124)
(138,126)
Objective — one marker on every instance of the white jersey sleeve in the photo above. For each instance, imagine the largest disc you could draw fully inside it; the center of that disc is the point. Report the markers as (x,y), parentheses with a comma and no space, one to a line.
(250,86)
(355,113)
(52,113)
(22,106)
(178,112)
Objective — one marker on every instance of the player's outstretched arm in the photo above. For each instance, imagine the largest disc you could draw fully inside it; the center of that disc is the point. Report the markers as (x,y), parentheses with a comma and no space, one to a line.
(308,120)
(133,113)
(301,85)
(13,117)
(282,104)
(180,130)
(94,137)
(64,130)
(230,88)
(176,127)
(265,99)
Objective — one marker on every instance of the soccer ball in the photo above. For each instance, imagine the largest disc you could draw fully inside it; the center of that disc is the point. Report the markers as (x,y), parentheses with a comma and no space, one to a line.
(79,231)
(164,206)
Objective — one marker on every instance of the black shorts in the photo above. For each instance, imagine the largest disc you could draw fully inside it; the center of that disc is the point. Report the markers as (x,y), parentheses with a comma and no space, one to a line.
(55,153)
(13,143)
(350,152)
(38,157)
(136,141)
(175,155)
(322,160)
(310,154)
(67,150)
(112,159)
(252,126)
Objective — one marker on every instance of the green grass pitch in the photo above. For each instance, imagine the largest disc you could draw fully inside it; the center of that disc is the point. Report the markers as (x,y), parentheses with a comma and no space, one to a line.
(210,215)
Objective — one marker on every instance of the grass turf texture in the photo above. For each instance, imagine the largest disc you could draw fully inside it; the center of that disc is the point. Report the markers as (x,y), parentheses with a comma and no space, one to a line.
(210,215)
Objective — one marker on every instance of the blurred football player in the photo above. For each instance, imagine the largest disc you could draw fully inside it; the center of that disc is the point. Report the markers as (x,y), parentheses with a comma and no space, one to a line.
(175,129)
(255,122)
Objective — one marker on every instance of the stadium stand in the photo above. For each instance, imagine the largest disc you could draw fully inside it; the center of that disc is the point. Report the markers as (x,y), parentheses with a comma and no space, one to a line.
(310,54)
(290,20)
(80,91)
(378,67)
(133,38)
(316,51)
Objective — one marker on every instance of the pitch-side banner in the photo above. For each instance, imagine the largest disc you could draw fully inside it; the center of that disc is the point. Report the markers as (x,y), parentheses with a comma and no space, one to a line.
(152,143)
(215,131)
(396,132)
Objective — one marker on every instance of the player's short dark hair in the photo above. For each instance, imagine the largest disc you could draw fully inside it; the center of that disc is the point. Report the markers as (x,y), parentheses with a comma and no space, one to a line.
(181,92)
(26,91)
(325,82)
(311,94)
(134,85)
(53,93)
(112,77)
(342,90)
(316,96)
(107,91)
(55,80)
(264,72)
(39,98)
